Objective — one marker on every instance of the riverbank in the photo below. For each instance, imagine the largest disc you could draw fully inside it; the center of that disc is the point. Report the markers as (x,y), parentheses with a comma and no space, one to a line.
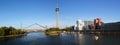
(14,35)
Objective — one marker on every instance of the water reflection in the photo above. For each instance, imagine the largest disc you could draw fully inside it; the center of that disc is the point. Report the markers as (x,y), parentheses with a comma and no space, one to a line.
(96,37)
(65,38)
(79,38)
(2,39)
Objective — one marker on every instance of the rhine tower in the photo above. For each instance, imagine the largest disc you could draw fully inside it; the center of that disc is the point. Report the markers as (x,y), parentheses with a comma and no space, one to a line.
(57,12)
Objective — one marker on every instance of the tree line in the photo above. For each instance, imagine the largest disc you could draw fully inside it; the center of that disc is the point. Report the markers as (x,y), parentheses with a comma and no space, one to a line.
(4,31)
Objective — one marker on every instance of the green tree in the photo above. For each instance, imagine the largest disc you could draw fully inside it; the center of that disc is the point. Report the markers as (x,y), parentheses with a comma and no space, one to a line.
(54,29)
(2,33)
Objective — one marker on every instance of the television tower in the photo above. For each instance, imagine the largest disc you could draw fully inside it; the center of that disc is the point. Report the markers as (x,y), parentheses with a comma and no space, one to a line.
(57,11)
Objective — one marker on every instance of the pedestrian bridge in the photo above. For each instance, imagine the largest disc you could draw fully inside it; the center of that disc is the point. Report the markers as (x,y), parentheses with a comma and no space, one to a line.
(31,28)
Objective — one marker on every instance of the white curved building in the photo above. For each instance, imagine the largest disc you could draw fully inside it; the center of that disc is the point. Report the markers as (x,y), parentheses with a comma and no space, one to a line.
(79,25)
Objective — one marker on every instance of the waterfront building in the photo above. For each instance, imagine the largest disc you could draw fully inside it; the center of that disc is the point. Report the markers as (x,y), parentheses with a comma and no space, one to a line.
(92,25)
(112,26)
(98,23)
(88,23)
(79,25)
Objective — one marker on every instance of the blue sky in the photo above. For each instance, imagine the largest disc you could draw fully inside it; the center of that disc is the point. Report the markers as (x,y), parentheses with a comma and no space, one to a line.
(27,12)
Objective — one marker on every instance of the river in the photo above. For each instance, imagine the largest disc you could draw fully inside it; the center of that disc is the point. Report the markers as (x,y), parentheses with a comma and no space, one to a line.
(39,38)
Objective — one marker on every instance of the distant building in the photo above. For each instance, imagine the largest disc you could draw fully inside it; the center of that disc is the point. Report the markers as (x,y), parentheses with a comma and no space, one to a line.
(79,25)
(92,25)
(112,26)
(98,23)
(88,23)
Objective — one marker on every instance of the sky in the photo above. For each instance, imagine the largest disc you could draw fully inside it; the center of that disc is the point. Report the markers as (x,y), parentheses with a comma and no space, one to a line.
(26,12)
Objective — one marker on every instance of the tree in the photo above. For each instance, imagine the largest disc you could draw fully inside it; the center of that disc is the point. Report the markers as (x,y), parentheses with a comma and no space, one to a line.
(2,33)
